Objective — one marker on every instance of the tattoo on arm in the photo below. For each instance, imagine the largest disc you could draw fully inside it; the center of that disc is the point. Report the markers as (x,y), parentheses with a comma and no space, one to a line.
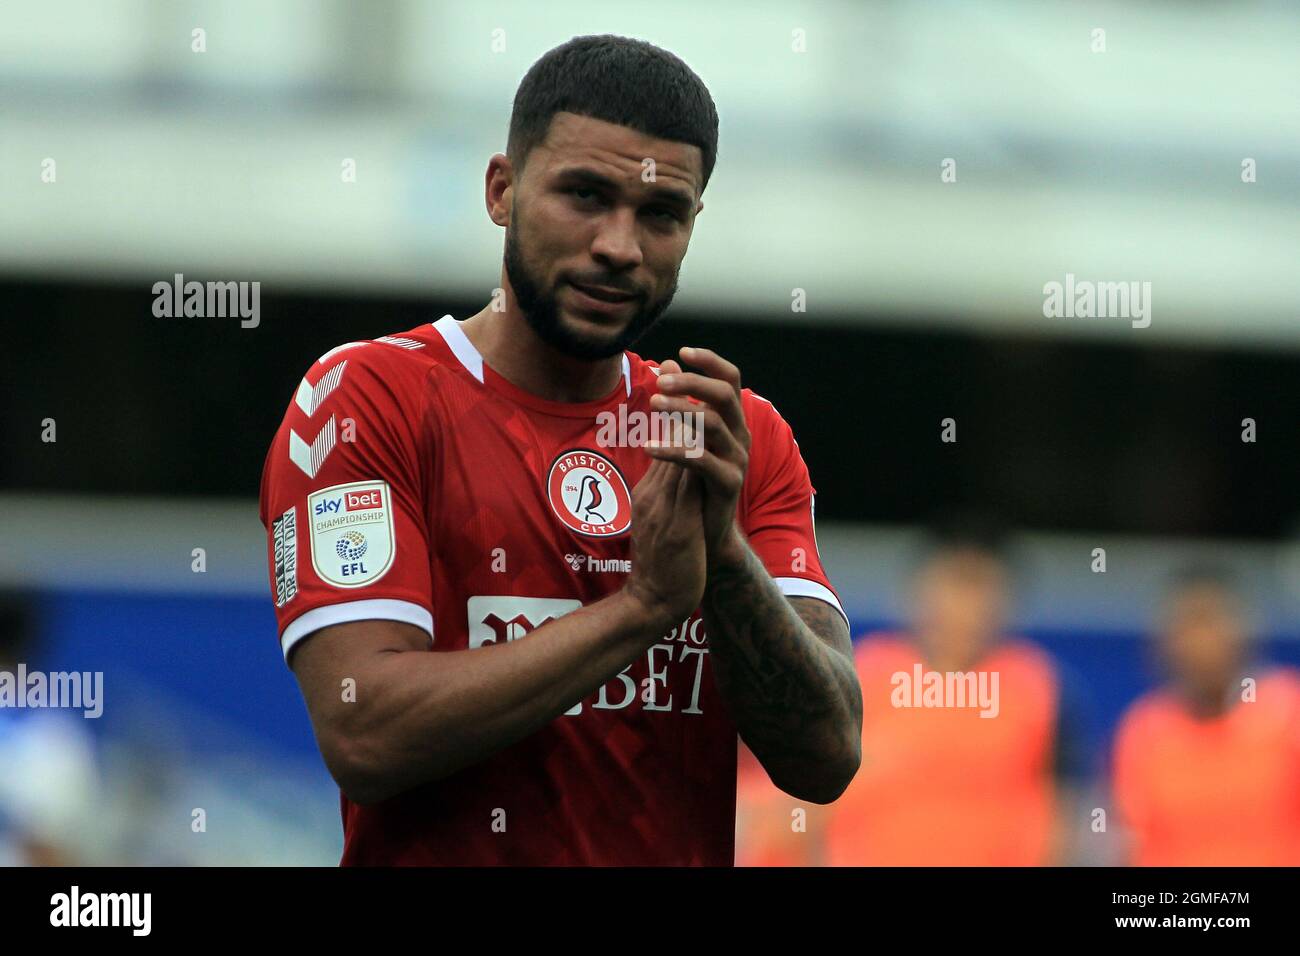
(785,668)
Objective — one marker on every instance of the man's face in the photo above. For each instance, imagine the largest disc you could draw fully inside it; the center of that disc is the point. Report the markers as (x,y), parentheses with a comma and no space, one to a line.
(1203,637)
(592,250)
(961,599)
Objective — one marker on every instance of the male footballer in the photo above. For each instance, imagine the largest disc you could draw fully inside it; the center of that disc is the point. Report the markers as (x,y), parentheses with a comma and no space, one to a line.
(524,634)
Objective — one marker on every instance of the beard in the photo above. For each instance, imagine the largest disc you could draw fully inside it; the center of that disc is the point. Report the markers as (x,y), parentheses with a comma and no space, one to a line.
(542,311)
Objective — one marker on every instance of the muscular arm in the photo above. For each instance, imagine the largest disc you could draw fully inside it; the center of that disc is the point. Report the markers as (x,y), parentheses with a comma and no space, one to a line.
(419,716)
(785,668)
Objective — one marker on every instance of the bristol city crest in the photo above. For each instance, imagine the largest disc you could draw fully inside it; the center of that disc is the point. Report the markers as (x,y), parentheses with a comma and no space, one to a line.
(588,493)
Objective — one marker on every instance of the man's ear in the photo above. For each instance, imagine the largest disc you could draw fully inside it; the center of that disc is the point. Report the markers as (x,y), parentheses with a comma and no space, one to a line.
(498,188)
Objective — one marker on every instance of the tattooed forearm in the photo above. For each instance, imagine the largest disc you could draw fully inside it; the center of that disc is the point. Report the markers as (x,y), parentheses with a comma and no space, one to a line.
(787,677)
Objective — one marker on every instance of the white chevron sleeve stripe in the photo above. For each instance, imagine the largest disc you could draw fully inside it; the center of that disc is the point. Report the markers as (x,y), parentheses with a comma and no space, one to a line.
(310,398)
(310,457)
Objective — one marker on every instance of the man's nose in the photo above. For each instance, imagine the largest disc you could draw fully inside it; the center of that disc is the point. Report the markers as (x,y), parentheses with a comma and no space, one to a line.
(616,242)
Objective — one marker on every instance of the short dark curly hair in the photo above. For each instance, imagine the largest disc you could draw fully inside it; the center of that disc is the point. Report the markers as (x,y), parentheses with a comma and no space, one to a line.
(618,80)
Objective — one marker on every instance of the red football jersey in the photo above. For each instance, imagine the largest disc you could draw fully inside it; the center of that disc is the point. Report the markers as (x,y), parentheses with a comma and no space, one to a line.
(410,482)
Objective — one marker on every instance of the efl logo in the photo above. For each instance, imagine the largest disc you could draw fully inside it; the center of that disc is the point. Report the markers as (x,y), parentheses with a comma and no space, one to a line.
(352,540)
(587,492)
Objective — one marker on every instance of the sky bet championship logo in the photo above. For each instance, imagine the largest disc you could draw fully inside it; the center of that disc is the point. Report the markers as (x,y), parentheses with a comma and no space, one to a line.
(352,533)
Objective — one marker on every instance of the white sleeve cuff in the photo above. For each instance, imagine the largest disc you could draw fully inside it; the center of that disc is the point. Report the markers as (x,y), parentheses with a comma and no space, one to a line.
(802,587)
(375,610)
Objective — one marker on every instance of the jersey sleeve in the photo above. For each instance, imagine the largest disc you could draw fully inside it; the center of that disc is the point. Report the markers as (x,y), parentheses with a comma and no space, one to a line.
(778,507)
(343,497)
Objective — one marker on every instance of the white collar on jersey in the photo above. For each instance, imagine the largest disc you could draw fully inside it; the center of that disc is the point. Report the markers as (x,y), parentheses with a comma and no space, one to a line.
(469,356)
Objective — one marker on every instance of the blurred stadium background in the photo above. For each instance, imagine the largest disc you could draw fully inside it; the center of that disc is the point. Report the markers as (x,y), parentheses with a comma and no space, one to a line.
(924,302)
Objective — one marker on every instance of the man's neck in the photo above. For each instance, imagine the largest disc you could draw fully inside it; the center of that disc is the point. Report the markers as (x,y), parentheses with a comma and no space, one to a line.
(939,657)
(513,350)
(1211,701)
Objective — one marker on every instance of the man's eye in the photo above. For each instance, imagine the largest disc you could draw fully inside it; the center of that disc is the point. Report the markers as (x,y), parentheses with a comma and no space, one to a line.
(583,193)
(664,213)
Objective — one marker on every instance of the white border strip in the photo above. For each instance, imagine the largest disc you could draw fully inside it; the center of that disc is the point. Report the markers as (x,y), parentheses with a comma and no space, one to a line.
(460,345)
(380,609)
(469,356)
(802,587)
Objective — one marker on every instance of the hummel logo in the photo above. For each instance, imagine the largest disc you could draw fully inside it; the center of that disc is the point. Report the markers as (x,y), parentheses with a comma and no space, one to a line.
(585,562)
(310,457)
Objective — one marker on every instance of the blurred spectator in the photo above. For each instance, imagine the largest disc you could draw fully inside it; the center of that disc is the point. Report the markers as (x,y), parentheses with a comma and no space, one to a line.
(47,770)
(1207,767)
(941,785)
